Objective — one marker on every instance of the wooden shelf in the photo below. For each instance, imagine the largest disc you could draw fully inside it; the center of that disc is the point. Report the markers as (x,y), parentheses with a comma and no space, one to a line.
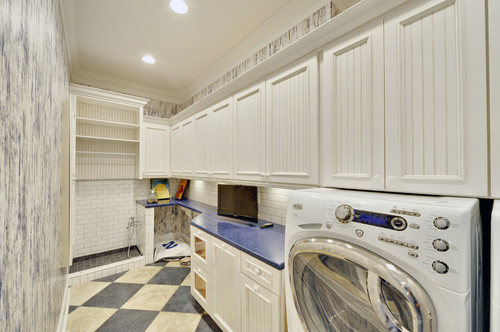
(95,138)
(106,123)
(107,153)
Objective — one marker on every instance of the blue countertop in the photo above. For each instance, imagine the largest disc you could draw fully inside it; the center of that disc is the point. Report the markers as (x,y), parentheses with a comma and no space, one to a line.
(265,244)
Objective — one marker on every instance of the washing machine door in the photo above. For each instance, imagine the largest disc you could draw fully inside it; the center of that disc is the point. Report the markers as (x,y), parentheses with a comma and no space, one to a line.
(338,286)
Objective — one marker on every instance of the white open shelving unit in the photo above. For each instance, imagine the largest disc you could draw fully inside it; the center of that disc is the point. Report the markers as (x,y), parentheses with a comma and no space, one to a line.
(106,135)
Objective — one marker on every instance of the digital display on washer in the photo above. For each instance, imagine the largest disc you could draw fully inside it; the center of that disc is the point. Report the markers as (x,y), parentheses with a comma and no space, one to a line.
(379,220)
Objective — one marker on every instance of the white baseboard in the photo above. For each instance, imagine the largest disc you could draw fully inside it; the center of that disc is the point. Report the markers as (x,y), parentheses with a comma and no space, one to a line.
(63,316)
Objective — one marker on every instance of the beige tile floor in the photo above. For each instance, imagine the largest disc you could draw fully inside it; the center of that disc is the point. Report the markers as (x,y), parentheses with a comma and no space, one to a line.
(155,297)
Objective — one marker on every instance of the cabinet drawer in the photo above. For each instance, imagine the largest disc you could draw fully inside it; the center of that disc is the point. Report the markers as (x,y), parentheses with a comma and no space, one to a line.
(261,273)
(201,244)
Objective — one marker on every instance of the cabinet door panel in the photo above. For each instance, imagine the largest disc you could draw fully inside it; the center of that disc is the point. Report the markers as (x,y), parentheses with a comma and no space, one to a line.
(187,150)
(436,98)
(202,144)
(226,304)
(249,134)
(222,138)
(156,144)
(292,124)
(352,118)
(176,150)
(494,70)
(260,308)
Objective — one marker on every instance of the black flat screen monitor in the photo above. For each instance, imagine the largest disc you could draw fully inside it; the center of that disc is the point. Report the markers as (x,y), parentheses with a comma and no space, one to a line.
(237,202)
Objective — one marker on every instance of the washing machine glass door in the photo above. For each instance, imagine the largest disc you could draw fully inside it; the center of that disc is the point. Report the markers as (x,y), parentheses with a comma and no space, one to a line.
(338,286)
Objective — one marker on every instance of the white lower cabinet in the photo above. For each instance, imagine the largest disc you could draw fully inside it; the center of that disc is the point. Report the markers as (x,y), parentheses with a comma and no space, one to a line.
(201,286)
(226,302)
(239,292)
(260,308)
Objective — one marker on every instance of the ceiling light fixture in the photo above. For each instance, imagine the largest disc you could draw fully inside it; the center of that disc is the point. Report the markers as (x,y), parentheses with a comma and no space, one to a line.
(148,59)
(179,6)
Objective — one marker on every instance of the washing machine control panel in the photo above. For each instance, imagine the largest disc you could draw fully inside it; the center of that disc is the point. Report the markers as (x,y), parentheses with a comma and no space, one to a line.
(426,238)
(345,214)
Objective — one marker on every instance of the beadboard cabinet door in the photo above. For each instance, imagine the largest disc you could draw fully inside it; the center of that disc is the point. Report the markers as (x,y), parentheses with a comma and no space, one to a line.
(202,144)
(222,139)
(155,146)
(436,111)
(187,147)
(226,282)
(260,308)
(250,133)
(176,149)
(292,124)
(352,117)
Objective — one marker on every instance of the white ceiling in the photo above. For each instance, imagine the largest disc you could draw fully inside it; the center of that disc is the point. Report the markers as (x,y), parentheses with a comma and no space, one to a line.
(107,39)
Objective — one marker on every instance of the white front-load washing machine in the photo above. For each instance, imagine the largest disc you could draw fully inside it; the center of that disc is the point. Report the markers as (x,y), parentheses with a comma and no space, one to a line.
(360,261)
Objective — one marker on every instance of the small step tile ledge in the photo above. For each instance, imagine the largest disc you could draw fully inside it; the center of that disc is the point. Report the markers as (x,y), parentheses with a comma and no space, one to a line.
(80,277)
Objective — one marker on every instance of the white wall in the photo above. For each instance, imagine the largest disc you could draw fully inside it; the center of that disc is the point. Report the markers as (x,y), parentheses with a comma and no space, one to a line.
(103,210)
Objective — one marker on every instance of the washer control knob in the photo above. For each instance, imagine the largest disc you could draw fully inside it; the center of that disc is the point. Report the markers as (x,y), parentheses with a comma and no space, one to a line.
(344,213)
(441,245)
(329,225)
(441,223)
(398,223)
(440,267)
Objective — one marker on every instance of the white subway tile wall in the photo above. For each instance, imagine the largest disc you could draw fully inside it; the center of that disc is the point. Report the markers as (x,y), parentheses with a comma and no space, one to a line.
(272,202)
(103,210)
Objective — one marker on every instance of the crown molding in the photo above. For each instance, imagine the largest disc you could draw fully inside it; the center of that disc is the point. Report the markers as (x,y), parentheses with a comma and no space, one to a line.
(313,43)
(69,20)
(288,16)
(105,95)
(114,84)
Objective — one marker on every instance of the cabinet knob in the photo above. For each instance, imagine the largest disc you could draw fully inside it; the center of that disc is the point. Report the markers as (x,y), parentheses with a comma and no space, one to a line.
(256,288)
(256,271)
(222,245)
(198,270)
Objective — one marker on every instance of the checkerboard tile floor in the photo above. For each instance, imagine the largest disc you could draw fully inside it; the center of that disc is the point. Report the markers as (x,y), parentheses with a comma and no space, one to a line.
(155,297)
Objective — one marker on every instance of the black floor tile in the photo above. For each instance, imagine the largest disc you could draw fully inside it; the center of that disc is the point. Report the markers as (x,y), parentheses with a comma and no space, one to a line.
(207,324)
(170,276)
(113,296)
(183,301)
(128,320)
(159,263)
(112,277)
(72,308)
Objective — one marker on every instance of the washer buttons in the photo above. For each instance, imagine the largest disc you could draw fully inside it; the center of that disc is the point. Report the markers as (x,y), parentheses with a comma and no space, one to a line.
(440,267)
(329,225)
(440,245)
(441,223)
(359,232)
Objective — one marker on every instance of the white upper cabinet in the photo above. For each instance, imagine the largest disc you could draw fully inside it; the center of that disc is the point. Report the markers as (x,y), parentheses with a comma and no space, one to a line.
(250,133)
(494,67)
(176,149)
(352,117)
(155,149)
(222,139)
(187,147)
(202,144)
(436,125)
(292,124)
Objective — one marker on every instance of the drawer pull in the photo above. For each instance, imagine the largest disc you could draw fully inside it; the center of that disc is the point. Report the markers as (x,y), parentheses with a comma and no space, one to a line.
(222,245)
(256,288)
(256,271)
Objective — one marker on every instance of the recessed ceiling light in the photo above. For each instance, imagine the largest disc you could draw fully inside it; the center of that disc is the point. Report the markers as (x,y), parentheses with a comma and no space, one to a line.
(148,59)
(179,6)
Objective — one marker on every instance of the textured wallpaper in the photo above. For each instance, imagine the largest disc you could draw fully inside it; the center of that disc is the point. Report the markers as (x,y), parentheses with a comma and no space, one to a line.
(33,85)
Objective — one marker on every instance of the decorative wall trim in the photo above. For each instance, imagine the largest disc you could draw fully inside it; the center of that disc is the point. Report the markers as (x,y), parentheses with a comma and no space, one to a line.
(63,316)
